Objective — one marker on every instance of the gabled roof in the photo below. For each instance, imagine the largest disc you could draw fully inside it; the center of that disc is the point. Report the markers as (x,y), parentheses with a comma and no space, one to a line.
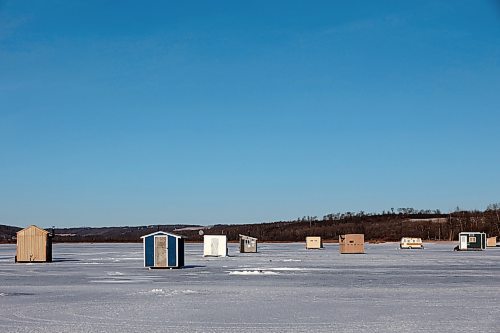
(162,233)
(35,227)
(247,237)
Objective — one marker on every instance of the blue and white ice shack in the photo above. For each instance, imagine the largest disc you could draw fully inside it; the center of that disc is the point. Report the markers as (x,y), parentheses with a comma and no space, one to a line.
(163,250)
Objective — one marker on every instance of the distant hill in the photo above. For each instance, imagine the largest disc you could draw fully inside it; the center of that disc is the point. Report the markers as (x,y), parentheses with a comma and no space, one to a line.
(94,234)
(7,232)
(376,227)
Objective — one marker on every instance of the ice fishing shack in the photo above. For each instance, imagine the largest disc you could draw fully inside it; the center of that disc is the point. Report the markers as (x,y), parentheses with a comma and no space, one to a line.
(214,245)
(471,241)
(352,244)
(33,244)
(163,250)
(491,241)
(248,244)
(314,242)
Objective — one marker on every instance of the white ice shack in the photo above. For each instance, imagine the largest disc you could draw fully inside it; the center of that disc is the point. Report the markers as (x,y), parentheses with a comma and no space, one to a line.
(214,245)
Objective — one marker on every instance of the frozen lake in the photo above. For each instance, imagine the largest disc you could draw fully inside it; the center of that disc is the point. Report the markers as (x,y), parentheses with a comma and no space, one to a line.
(283,288)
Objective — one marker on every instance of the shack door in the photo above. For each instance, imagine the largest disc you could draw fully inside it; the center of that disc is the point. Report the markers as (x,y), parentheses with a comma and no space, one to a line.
(463,242)
(214,246)
(161,251)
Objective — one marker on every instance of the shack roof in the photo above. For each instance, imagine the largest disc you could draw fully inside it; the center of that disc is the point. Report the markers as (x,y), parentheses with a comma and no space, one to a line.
(247,237)
(33,226)
(162,233)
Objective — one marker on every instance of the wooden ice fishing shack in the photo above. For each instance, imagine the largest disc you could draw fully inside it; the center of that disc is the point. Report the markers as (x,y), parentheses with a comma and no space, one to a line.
(491,241)
(34,244)
(352,244)
(313,242)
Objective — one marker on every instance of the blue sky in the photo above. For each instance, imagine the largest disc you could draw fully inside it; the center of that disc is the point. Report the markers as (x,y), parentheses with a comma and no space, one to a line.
(133,113)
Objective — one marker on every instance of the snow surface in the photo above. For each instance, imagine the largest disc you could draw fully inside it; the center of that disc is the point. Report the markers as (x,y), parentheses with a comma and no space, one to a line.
(283,288)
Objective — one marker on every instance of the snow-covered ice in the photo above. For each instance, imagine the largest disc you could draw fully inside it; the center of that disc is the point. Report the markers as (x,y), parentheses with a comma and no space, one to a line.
(283,288)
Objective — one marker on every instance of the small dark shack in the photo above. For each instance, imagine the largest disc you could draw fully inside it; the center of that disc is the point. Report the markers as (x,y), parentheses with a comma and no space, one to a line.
(248,244)
(471,241)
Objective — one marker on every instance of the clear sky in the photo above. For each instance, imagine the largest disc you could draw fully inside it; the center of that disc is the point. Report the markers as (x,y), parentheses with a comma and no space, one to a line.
(204,112)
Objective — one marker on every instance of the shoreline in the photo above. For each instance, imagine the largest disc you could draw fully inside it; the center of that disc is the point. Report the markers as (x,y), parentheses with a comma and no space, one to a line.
(236,242)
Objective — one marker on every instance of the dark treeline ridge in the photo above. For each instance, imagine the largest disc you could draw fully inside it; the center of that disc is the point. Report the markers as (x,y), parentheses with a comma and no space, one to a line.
(385,226)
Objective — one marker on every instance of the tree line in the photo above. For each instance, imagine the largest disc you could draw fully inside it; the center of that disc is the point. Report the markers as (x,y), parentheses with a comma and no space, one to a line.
(389,225)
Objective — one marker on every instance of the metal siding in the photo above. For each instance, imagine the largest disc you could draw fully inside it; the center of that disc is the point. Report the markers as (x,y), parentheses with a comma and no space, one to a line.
(149,251)
(172,252)
(466,244)
(477,243)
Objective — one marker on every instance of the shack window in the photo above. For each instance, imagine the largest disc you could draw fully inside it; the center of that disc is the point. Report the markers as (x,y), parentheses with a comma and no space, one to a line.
(472,239)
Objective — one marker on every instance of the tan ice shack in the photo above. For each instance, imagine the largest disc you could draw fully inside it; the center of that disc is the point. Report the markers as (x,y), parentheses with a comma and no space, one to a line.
(314,243)
(352,243)
(491,241)
(33,245)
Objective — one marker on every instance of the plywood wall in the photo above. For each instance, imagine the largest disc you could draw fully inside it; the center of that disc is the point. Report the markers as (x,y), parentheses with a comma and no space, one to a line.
(32,245)
(352,243)
(313,243)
